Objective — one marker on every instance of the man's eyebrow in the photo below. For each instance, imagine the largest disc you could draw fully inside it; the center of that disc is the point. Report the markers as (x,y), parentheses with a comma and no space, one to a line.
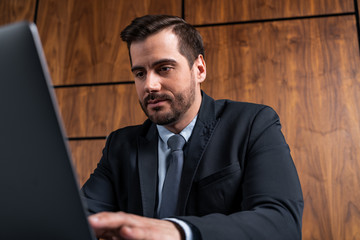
(161,61)
(134,68)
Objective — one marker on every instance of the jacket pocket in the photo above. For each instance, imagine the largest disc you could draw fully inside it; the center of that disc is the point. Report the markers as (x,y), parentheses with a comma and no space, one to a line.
(219,175)
(220,192)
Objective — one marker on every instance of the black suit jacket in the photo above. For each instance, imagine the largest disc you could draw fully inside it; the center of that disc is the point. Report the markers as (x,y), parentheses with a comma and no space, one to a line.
(238,180)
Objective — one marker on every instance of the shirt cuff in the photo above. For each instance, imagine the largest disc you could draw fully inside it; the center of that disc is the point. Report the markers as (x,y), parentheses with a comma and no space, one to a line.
(184,226)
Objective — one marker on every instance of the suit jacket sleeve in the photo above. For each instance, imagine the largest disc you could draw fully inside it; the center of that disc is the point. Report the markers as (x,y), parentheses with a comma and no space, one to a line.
(271,203)
(114,185)
(98,192)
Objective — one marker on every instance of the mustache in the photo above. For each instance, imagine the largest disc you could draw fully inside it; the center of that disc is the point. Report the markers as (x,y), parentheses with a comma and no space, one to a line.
(156,96)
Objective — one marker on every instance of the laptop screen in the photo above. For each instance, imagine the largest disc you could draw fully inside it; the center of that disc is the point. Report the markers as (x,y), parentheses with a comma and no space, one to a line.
(39,191)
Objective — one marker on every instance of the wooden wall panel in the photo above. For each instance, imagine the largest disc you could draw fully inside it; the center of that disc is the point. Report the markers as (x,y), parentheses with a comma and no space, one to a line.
(86,154)
(82,38)
(98,110)
(222,11)
(16,10)
(308,70)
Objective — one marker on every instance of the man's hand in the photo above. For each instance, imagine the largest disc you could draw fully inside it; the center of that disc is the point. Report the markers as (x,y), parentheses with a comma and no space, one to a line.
(122,225)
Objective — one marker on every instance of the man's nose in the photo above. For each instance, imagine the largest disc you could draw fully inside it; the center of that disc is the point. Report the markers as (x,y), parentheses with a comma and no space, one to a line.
(152,83)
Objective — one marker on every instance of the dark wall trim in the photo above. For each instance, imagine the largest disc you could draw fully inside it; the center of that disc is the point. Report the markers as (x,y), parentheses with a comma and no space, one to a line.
(183,9)
(86,138)
(277,19)
(36,10)
(356,6)
(93,84)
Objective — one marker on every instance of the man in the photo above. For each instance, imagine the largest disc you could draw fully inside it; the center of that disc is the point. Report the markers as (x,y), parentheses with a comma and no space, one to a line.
(238,180)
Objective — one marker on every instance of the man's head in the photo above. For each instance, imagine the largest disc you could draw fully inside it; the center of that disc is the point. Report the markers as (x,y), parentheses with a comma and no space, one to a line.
(190,41)
(168,70)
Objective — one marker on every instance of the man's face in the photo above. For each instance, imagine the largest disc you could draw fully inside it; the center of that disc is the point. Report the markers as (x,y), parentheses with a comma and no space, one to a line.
(166,86)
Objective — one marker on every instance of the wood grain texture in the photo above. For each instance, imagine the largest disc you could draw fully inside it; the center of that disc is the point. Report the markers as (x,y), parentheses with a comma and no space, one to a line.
(98,110)
(86,154)
(82,38)
(222,11)
(16,10)
(308,70)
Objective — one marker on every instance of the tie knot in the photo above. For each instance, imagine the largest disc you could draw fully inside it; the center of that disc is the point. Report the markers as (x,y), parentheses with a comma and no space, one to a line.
(176,142)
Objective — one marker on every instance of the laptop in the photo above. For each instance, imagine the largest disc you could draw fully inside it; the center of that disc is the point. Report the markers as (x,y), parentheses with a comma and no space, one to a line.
(39,194)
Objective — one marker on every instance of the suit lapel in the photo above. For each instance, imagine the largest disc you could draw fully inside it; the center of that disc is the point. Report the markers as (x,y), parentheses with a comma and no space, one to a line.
(148,158)
(148,154)
(200,137)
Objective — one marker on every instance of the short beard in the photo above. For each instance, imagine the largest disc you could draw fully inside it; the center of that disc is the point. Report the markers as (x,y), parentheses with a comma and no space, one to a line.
(168,118)
(179,105)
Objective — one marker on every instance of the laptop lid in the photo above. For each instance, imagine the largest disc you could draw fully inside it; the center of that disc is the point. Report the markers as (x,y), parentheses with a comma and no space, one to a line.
(39,194)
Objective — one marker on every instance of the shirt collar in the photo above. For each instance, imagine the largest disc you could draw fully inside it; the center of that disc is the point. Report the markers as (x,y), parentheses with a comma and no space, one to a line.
(186,132)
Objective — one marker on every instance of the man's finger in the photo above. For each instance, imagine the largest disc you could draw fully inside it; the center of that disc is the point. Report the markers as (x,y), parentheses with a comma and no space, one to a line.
(130,226)
(107,220)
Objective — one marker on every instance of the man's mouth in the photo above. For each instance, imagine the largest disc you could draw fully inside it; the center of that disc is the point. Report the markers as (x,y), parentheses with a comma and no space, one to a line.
(155,101)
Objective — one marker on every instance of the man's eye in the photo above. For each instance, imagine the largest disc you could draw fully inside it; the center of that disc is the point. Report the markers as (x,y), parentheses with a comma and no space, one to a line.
(164,69)
(139,74)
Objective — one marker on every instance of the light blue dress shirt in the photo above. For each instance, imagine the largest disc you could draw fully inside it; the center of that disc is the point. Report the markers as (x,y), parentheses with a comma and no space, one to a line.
(164,152)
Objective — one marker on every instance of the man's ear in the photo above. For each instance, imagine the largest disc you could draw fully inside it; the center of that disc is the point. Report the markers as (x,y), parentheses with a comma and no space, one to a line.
(200,68)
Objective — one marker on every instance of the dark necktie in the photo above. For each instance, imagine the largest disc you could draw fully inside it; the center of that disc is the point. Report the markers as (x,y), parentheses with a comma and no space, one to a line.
(170,190)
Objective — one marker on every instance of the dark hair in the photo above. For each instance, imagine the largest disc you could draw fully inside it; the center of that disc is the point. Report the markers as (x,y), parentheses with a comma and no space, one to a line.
(190,41)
